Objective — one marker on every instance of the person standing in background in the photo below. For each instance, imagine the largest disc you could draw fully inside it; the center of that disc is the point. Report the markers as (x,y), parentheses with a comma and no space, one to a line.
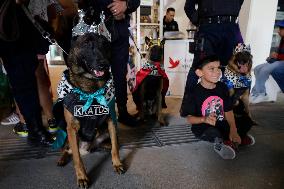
(169,24)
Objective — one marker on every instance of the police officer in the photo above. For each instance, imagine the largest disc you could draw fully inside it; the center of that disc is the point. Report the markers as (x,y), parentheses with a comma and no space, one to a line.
(119,10)
(218,33)
(169,24)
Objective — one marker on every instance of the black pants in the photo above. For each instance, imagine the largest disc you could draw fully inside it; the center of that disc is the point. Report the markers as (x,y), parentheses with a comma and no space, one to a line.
(120,54)
(221,130)
(21,68)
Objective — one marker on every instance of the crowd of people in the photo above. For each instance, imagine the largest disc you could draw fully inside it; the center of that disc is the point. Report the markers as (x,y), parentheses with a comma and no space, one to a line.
(206,102)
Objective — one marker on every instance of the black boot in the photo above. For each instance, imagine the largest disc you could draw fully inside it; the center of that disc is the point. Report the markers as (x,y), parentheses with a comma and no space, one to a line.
(37,134)
(125,118)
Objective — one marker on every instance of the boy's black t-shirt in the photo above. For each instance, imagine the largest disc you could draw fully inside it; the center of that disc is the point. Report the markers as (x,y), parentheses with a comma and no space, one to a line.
(204,101)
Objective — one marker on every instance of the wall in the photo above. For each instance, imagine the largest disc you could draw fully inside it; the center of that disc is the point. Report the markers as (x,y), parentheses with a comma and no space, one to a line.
(257,22)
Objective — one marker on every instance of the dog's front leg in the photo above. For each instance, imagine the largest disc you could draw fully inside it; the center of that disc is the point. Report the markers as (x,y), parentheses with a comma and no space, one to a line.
(141,103)
(159,105)
(245,99)
(72,130)
(117,165)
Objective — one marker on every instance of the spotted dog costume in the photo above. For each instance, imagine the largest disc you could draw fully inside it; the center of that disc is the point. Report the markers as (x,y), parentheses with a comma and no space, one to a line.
(91,109)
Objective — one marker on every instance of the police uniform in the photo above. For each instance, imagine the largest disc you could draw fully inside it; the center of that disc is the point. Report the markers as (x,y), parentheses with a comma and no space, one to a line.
(218,32)
(170,26)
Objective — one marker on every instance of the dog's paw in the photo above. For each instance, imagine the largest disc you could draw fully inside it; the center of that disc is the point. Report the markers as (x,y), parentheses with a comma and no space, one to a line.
(83,182)
(119,169)
(163,122)
(64,160)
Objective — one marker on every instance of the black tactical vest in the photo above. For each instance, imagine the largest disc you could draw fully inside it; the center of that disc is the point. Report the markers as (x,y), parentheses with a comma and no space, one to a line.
(211,8)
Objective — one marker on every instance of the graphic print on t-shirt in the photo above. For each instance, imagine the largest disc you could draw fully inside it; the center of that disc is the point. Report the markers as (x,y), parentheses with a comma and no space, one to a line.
(213,104)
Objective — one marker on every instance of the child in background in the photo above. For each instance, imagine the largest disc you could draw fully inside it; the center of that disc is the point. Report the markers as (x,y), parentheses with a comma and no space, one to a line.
(209,110)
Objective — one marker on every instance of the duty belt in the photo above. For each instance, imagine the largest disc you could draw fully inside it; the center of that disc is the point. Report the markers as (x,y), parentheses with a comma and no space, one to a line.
(218,20)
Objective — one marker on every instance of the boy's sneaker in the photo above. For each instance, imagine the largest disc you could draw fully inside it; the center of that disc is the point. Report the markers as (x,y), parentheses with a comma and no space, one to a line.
(248,140)
(12,119)
(21,129)
(225,149)
(52,127)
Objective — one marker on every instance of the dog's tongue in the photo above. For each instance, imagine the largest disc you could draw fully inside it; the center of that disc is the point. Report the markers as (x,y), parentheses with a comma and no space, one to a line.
(243,68)
(99,73)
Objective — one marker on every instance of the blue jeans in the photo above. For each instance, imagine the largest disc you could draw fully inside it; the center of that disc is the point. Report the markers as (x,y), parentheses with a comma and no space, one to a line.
(262,73)
(278,75)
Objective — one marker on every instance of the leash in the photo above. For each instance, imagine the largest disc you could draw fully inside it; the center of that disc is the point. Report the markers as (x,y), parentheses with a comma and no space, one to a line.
(132,38)
(46,35)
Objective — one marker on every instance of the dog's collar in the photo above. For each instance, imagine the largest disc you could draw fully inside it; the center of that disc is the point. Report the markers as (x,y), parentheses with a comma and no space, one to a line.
(153,67)
(103,95)
(234,80)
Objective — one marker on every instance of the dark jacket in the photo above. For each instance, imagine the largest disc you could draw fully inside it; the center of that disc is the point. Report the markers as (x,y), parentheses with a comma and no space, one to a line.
(121,26)
(211,8)
(28,40)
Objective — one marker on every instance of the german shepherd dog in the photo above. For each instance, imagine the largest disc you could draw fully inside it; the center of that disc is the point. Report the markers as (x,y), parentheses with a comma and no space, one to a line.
(88,72)
(151,87)
(237,76)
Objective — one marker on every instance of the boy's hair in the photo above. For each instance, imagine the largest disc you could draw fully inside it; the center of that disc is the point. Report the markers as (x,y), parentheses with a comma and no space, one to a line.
(206,60)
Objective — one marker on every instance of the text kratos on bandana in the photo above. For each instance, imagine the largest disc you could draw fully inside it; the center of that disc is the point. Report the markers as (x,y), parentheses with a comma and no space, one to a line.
(93,110)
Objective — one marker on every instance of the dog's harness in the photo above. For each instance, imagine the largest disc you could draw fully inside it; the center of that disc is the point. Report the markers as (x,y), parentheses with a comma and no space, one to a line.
(152,69)
(91,109)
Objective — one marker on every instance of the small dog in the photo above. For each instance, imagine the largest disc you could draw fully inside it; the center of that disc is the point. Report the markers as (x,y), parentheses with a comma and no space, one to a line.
(151,86)
(237,76)
(87,93)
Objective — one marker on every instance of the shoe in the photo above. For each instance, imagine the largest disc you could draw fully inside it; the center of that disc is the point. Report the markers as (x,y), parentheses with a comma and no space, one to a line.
(21,129)
(259,98)
(41,138)
(12,119)
(225,150)
(52,127)
(248,140)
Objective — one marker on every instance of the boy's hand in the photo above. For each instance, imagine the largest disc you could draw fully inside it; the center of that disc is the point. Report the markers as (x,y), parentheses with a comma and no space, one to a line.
(274,55)
(234,137)
(211,119)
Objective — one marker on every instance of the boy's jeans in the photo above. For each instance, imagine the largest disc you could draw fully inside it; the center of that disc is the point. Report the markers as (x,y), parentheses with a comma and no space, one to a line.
(262,73)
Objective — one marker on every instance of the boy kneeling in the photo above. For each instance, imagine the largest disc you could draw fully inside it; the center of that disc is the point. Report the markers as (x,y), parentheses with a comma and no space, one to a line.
(210,111)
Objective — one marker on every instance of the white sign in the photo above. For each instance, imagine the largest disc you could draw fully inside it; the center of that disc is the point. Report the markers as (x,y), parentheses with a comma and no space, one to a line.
(147,2)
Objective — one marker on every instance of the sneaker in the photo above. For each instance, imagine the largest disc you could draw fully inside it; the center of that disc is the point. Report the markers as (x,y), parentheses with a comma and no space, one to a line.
(226,151)
(12,119)
(21,129)
(258,99)
(52,127)
(248,140)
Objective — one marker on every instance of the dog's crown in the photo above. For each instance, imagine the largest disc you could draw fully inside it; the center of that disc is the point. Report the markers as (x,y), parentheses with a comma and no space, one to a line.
(81,28)
(241,47)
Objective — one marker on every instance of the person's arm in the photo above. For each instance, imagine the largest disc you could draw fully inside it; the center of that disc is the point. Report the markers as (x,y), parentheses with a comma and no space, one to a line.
(234,136)
(132,6)
(69,8)
(177,29)
(190,11)
(211,119)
